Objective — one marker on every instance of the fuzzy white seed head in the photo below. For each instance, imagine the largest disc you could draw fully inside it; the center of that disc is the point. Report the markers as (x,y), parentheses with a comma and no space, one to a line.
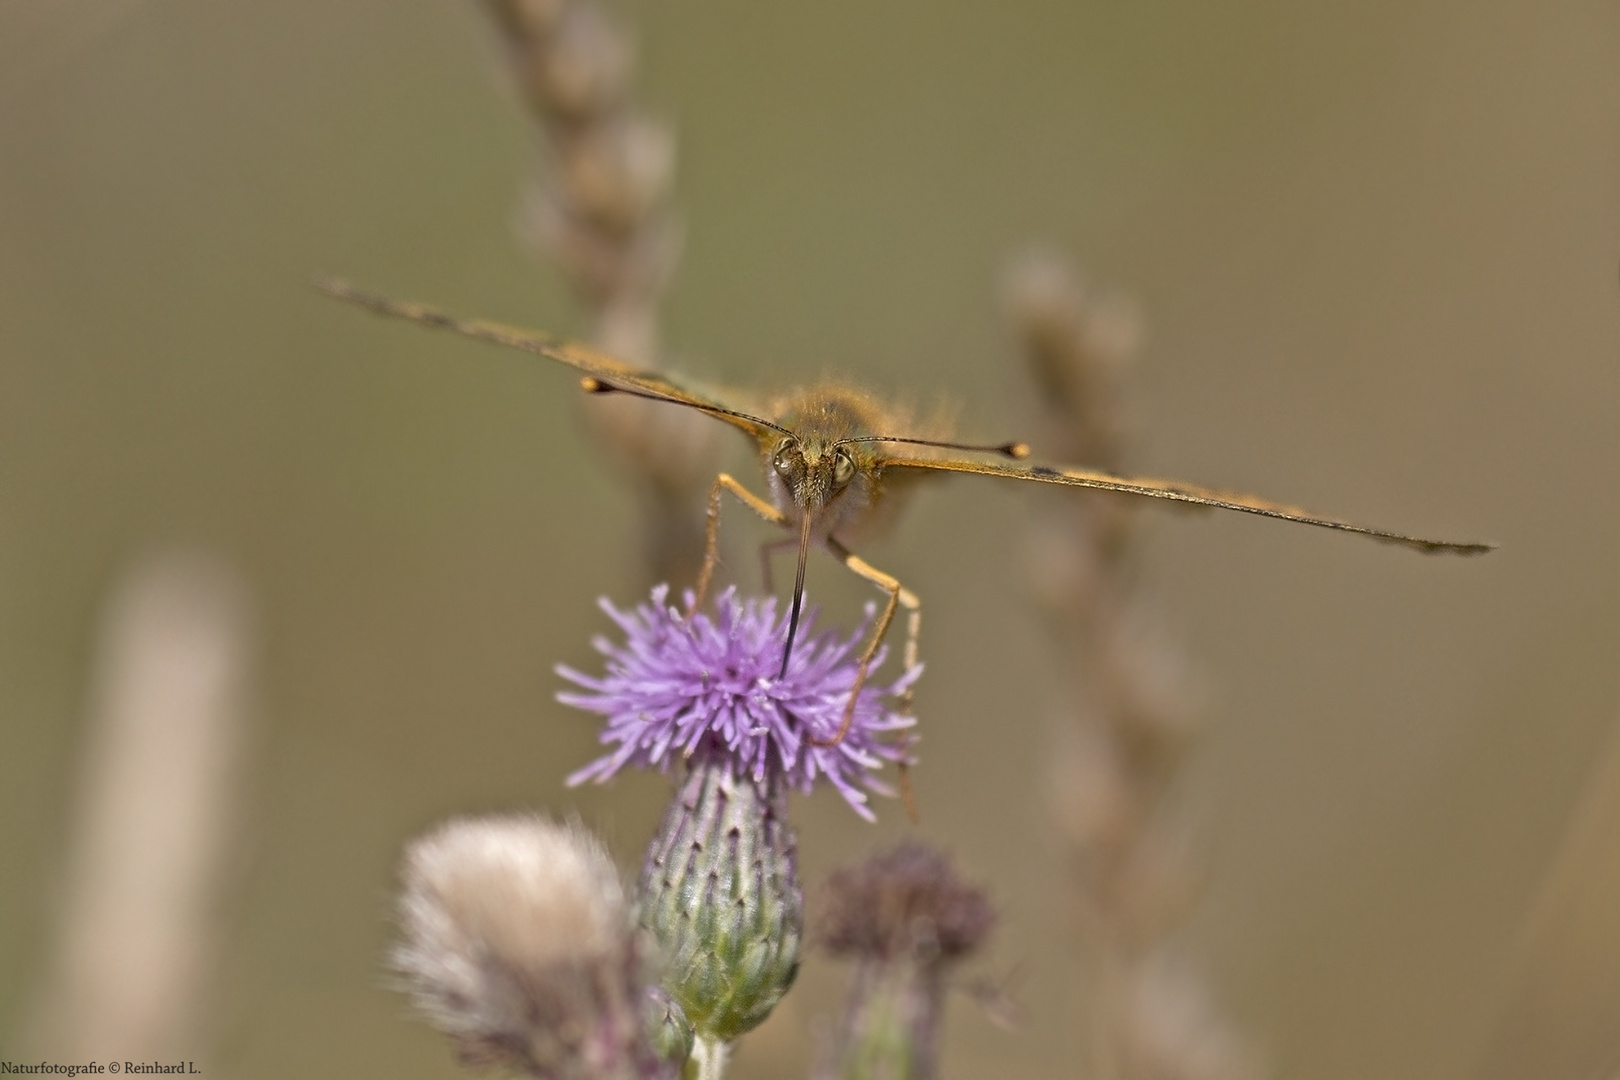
(519,945)
(525,889)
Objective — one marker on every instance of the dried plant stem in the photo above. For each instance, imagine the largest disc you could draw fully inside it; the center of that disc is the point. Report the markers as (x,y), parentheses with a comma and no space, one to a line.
(1130,715)
(154,815)
(601,212)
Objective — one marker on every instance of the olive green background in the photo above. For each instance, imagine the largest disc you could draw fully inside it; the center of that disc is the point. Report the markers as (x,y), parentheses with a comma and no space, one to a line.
(1378,247)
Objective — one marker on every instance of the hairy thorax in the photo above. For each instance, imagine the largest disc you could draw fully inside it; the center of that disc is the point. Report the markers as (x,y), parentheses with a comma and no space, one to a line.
(804,470)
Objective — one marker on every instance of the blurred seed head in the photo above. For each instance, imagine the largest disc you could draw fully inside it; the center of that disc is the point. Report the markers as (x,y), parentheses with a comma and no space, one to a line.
(1047,296)
(519,945)
(1078,344)
(604,267)
(617,172)
(582,67)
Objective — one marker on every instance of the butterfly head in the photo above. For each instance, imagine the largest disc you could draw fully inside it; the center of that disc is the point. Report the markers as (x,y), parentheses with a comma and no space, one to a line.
(812,472)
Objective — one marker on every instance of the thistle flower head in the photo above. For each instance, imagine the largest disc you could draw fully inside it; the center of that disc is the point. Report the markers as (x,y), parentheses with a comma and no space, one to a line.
(680,684)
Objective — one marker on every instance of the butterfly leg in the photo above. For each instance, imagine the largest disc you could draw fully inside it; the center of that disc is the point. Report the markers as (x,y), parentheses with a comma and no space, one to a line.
(899,596)
(711,534)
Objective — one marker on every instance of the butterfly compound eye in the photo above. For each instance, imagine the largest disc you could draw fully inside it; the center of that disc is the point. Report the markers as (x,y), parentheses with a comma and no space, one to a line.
(782,458)
(843,467)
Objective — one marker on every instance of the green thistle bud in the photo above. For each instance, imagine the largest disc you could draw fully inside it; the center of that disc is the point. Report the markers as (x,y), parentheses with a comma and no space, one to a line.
(668,1029)
(720,893)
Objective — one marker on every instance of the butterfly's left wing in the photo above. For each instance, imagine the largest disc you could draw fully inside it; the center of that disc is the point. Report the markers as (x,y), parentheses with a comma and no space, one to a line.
(1176,491)
(603,373)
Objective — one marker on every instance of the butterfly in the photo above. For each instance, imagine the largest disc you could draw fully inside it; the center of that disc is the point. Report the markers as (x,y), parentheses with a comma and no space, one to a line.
(830,465)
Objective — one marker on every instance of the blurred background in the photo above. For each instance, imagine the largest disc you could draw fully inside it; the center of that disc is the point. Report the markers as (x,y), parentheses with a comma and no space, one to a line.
(1376,245)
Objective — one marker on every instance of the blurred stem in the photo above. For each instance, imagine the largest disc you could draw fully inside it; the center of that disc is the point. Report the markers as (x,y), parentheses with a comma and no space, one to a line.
(602,213)
(708,1060)
(153,838)
(1133,719)
(893,1025)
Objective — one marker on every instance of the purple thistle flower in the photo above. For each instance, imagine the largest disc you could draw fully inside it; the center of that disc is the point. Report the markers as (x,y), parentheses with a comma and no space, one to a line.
(680,684)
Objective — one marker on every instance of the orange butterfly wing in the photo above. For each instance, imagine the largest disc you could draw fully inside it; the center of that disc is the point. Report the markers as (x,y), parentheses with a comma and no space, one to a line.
(604,374)
(1176,491)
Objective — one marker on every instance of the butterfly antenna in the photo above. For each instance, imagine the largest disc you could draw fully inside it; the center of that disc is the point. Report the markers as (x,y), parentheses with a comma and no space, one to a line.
(1015,450)
(592,385)
(798,591)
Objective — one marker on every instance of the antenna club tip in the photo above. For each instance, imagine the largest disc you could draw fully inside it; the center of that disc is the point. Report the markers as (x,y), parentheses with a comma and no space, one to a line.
(1016,450)
(593,385)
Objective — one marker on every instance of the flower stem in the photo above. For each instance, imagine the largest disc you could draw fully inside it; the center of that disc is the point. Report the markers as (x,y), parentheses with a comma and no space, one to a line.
(708,1060)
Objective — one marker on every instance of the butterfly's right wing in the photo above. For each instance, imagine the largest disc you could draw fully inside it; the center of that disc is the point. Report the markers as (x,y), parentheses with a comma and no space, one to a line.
(603,373)
(1175,491)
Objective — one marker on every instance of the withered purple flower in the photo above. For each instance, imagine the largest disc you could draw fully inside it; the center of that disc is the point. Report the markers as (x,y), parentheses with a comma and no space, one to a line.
(680,684)
(906,917)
